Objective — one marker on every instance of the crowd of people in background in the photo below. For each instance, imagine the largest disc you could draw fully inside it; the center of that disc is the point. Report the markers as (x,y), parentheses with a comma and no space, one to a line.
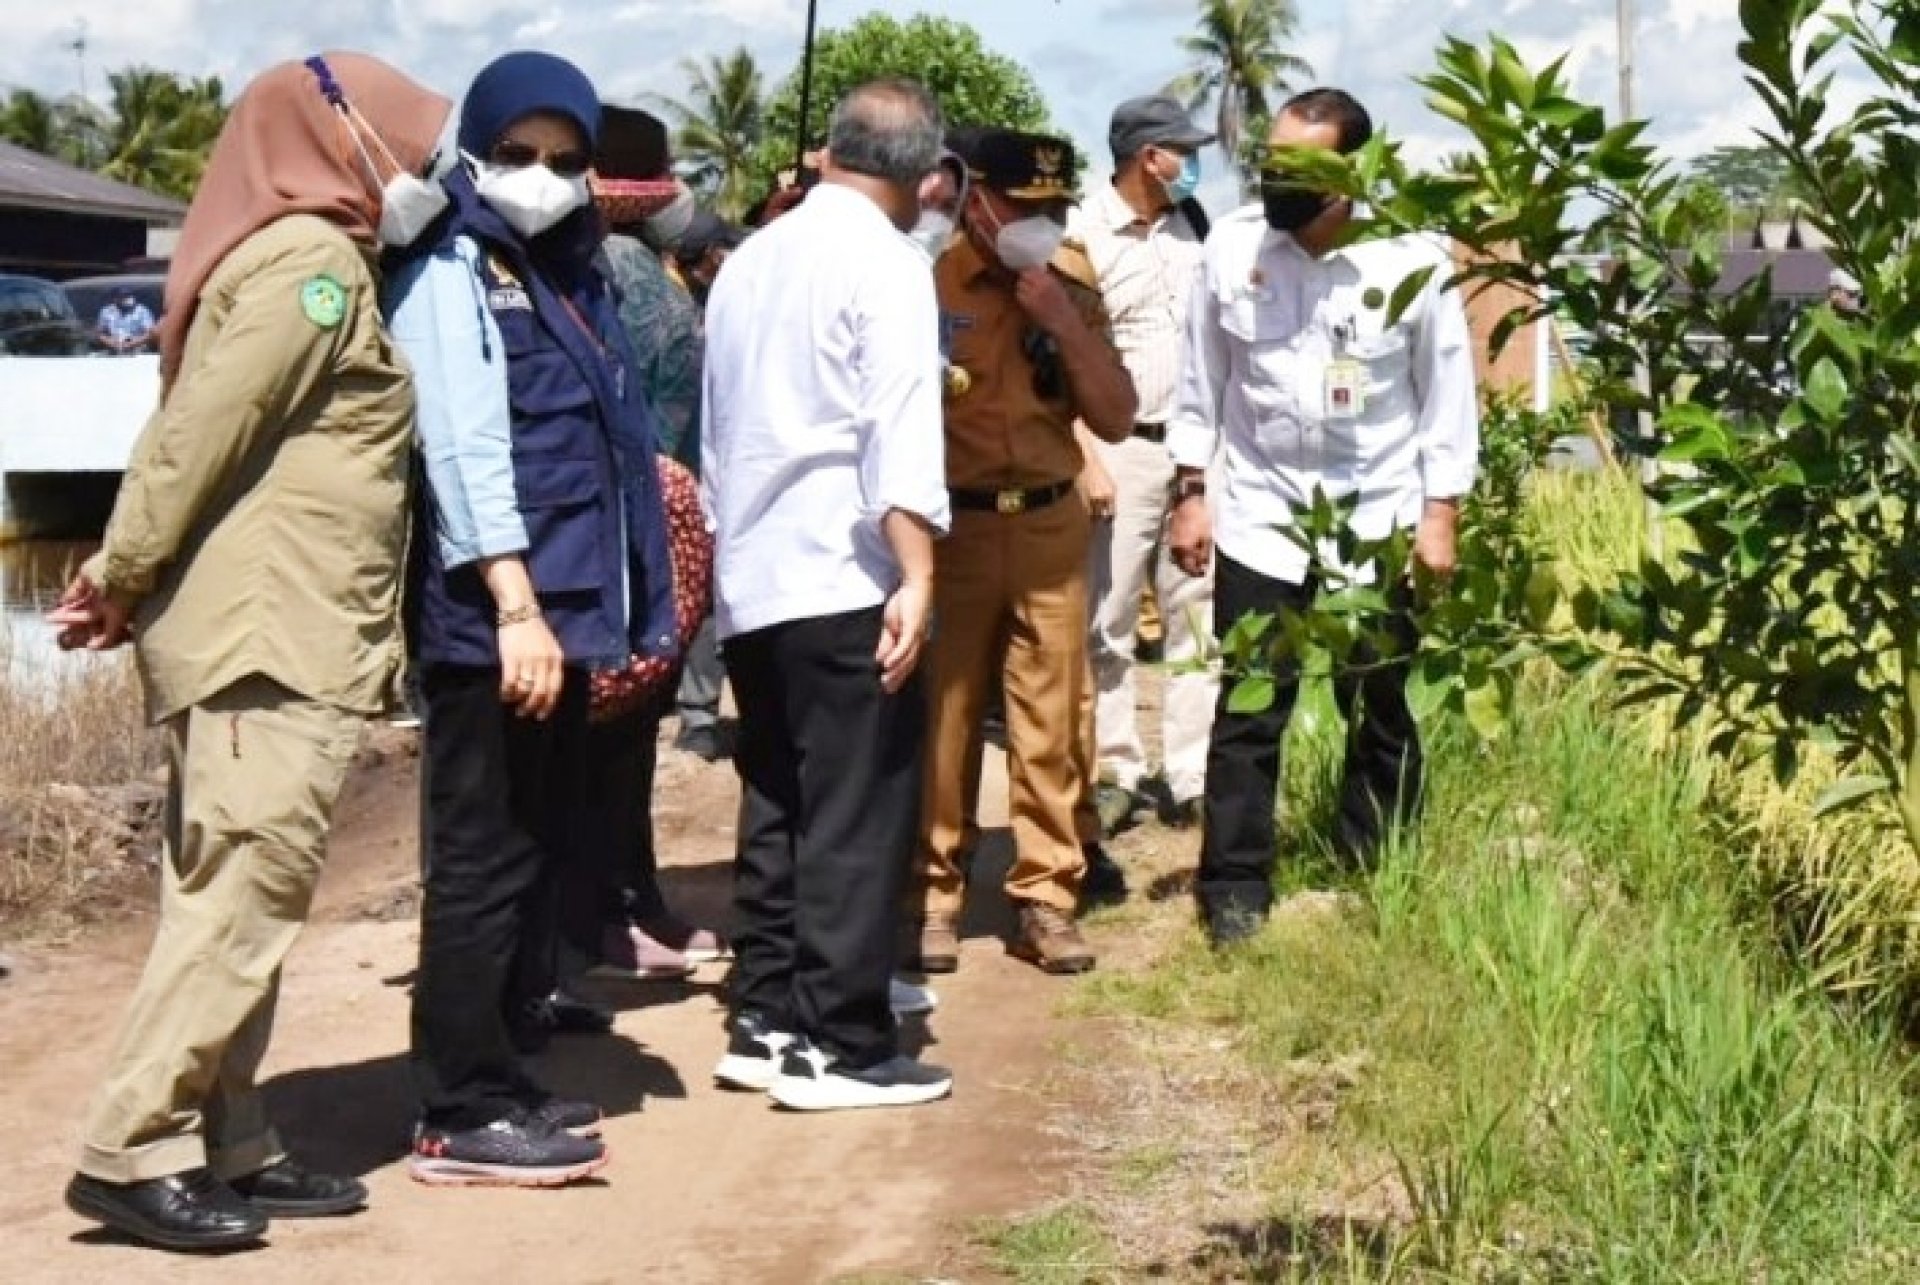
(483,401)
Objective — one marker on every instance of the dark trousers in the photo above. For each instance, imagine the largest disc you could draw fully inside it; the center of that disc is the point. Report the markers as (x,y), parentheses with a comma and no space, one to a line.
(497,790)
(615,877)
(701,677)
(1382,776)
(830,799)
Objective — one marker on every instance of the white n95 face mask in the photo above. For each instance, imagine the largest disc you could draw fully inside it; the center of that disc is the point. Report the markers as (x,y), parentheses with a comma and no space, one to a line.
(1028,243)
(932,234)
(408,206)
(531,199)
(662,231)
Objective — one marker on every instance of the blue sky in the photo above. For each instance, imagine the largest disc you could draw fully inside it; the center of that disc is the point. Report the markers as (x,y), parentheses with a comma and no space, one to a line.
(1085,54)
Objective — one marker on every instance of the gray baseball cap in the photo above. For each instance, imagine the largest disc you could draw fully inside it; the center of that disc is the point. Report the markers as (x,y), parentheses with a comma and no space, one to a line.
(1155,120)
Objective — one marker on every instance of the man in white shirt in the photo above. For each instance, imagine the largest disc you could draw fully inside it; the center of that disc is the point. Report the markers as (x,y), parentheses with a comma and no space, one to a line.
(1294,375)
(1143,233)
(822,462)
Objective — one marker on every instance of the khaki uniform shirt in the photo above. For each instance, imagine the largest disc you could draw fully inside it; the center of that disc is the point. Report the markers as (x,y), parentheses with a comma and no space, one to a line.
(261,525)
(1000,432)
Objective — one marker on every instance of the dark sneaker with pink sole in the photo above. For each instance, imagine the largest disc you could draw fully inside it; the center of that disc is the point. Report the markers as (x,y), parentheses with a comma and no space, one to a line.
(522,1150)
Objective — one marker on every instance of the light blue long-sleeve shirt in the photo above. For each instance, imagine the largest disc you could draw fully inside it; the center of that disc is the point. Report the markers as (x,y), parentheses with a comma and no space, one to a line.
(437,313)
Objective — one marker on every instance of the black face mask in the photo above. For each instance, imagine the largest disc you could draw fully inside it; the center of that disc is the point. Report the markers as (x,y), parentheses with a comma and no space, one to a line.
(1290,208)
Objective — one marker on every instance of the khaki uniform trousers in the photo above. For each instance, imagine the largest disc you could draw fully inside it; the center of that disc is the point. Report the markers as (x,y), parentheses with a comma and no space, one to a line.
(1130,554)
(255,772)
(1010,605)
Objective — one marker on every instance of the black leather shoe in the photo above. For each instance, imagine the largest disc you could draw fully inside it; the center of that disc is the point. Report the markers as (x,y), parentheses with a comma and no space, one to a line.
(1105,883)
(284,1189)
(186,1211)
(1231,924)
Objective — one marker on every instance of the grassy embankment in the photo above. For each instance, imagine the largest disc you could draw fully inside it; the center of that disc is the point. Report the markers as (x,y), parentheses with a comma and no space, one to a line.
(1584,1028)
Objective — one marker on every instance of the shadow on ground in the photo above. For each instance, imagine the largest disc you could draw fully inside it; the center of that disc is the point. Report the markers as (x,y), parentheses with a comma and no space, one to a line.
(357,1118)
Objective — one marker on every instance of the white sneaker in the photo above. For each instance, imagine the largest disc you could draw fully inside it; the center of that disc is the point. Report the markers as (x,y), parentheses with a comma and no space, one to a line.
(809,1080)
(908,1000)
(754,1050)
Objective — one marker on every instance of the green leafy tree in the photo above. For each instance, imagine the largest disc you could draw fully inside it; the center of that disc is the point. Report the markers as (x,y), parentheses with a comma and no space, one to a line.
(1241,66)
(1787,616)
(162,129)
(975,86)
(69,129)
(1755,182)
(720,125)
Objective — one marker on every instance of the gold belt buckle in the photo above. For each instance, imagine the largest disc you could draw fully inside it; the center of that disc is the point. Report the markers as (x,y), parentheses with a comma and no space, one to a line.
(1010,503)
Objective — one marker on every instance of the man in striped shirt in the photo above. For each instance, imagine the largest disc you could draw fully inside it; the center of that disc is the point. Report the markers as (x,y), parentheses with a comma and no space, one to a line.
(1144,234)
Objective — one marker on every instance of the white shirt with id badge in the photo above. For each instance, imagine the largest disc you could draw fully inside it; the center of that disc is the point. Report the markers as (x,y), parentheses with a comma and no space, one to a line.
(1292,371)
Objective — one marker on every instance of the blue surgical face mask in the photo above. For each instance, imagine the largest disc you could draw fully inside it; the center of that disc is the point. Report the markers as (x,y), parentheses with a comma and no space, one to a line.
(1183,185)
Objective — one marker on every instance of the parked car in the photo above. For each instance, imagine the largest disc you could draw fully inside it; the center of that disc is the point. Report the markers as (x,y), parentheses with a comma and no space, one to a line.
(90,294)
(36,320)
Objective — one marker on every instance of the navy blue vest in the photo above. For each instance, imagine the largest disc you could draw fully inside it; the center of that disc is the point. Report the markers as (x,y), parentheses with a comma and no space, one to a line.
(584,476)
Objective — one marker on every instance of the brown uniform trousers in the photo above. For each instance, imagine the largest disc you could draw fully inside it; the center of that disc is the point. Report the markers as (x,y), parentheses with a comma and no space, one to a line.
(1010,603)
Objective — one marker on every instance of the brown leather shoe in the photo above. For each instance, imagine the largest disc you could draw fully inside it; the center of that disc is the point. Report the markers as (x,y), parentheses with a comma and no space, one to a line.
(931,945)
(1052,940)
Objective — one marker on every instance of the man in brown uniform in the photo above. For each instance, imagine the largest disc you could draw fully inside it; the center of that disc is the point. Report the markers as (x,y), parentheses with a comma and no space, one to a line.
(1029,353)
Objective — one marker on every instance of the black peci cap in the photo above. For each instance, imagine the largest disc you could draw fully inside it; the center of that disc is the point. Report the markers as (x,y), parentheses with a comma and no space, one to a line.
(1026,167)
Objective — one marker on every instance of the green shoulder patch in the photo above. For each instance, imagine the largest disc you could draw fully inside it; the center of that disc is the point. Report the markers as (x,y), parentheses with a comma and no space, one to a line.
(324,300)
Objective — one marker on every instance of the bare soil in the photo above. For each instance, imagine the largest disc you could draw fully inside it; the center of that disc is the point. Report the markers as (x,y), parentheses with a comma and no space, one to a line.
(704,1185)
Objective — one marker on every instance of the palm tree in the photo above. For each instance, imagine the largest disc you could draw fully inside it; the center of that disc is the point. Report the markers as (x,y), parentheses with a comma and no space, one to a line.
(720,123)
(163,129)
(31,121)
(1240,64)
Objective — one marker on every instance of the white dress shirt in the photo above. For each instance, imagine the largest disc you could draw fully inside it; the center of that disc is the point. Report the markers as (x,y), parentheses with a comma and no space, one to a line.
(1269,323)
(1146,272)
(821,412)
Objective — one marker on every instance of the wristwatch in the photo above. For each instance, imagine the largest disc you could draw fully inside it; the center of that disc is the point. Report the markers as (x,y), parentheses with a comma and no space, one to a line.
(1189,488)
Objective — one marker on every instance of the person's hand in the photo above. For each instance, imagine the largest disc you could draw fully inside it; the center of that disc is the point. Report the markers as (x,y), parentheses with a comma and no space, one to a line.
(781,202)
(1190,536)
(89,618)
(903,633)
(1045,301)
(1435,544)
(1097,485)
(532,668)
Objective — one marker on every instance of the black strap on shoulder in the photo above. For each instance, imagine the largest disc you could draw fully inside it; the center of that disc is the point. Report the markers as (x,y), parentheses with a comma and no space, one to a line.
(1196,217)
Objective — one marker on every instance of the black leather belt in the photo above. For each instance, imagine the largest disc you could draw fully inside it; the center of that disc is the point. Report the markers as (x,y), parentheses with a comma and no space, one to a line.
(1155,433)
(1012,502)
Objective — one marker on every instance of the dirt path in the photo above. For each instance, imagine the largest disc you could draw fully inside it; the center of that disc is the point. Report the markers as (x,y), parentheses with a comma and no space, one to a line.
(704,1186)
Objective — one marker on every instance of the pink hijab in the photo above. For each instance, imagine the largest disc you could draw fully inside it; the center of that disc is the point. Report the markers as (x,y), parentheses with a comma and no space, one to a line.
(287,150)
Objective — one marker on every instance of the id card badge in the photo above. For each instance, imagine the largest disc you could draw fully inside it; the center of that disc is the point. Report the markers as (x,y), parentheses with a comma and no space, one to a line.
(1346,389)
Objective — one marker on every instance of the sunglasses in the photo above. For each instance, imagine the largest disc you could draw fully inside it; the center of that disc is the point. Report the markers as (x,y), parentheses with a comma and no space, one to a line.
(512,155)
(1042,352)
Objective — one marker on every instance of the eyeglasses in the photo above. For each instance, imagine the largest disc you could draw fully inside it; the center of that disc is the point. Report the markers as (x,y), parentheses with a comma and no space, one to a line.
(512,155)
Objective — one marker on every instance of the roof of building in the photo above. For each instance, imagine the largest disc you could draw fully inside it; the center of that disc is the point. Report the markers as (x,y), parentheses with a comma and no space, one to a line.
(1797,274)
(31,181)
(1795,233)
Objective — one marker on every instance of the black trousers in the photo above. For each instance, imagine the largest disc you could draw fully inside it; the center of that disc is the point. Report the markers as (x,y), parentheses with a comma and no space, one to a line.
(830,801)
(614,877)
(497,790)
(1382,777)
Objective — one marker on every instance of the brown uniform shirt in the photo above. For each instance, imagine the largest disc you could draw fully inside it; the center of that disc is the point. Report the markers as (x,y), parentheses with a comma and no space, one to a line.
(1000,432)
(262,521)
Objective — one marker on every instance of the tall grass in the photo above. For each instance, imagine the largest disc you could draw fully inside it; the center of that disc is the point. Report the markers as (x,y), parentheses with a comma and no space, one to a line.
(1587,1057)
(72,741)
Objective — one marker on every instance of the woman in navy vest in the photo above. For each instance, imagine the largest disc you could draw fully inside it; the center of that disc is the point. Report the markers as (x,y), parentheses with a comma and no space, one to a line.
(541,555)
